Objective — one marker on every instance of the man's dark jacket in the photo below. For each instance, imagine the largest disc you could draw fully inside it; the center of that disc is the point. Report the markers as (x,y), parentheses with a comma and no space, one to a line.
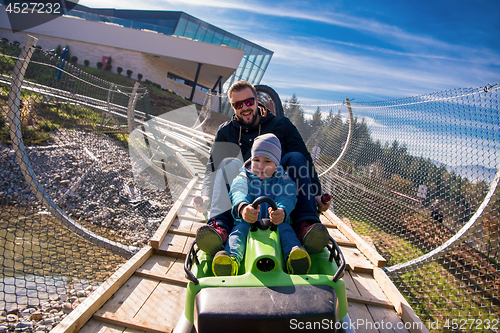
(243,136)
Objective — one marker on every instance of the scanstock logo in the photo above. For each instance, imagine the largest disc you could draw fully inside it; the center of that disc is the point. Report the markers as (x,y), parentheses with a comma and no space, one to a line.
(24,15)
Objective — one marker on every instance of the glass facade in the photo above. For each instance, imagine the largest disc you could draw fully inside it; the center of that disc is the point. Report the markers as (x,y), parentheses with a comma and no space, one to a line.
(251,68)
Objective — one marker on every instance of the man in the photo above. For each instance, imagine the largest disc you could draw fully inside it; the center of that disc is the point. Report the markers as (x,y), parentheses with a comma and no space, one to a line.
(249,121)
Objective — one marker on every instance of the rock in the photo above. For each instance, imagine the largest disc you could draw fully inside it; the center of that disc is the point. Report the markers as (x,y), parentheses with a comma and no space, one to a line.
(12,318)
(56,307)
(36,316)
(24,324)
(13,311)
(64,182)
(67,308)
(48,321)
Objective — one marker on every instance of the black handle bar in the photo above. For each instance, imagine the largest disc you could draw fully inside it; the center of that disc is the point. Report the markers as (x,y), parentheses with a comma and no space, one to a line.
(336,254)
(260,223)
(188,263)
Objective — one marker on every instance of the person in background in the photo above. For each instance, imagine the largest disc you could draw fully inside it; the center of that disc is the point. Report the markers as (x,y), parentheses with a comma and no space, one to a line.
(436,211)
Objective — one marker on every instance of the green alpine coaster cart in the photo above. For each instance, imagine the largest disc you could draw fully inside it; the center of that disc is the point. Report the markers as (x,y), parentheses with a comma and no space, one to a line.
(263,297)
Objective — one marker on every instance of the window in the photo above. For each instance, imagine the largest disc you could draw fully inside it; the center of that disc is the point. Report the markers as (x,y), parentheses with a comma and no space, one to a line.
(181,27)
(191,29)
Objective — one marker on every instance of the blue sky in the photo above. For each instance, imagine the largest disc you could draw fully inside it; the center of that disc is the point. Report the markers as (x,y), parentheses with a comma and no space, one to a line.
(367,50)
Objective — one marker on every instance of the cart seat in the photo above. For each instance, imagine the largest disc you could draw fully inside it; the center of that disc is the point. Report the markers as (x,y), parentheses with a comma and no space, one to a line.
(266,309)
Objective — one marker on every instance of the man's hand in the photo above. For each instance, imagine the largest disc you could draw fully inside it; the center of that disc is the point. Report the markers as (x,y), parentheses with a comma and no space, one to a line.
(322,207)
(277,216)
(250,214)
(203,206)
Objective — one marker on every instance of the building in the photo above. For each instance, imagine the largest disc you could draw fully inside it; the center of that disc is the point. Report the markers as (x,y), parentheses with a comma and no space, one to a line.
(173,49)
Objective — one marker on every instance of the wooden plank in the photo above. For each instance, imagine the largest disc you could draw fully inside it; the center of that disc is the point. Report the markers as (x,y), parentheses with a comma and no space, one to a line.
(175,269)
(196,165)
(181,224)
(344,243)
(355,260)
(78,317)
(372,301)
(183,232)
(367,250)
(177,255)
(160,233)
(194,193)
(368,287)
(143,325)
(95,326)
(191,158)
(186,164)
(407,314)
(338,236)
(191,213)
(174,243)
(165,305)
(388,320)
(188,153)
(355,295)
(361,318)
(196,225)
(351,289)
(402,307)
(130,297)
(158,264)
(193,218)
(161,277)
(326,221)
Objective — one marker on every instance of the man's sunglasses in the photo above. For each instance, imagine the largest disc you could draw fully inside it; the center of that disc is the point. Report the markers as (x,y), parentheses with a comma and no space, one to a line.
(239,104)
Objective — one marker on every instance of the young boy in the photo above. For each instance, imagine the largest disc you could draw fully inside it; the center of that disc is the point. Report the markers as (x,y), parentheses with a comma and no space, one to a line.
(262,175)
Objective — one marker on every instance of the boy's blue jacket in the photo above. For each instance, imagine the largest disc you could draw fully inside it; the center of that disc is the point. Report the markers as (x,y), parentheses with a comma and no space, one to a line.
(247,187)
(243,136)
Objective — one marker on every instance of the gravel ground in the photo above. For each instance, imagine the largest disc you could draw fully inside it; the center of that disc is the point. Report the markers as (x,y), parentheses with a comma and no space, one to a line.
(90,177)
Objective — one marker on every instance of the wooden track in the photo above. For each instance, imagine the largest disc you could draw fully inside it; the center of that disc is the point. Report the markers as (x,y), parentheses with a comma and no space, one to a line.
(147,294)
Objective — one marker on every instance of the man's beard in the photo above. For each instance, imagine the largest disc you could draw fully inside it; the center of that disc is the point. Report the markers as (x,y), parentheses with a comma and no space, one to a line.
(250,122)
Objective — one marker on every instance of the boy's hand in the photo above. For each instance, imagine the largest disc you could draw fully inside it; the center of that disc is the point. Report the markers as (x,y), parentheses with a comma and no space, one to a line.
(277,216)
(322,207)
(250,214)
(201,204)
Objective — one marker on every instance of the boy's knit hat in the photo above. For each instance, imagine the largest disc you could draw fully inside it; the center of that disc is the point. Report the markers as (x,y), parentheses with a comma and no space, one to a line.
(267,145)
